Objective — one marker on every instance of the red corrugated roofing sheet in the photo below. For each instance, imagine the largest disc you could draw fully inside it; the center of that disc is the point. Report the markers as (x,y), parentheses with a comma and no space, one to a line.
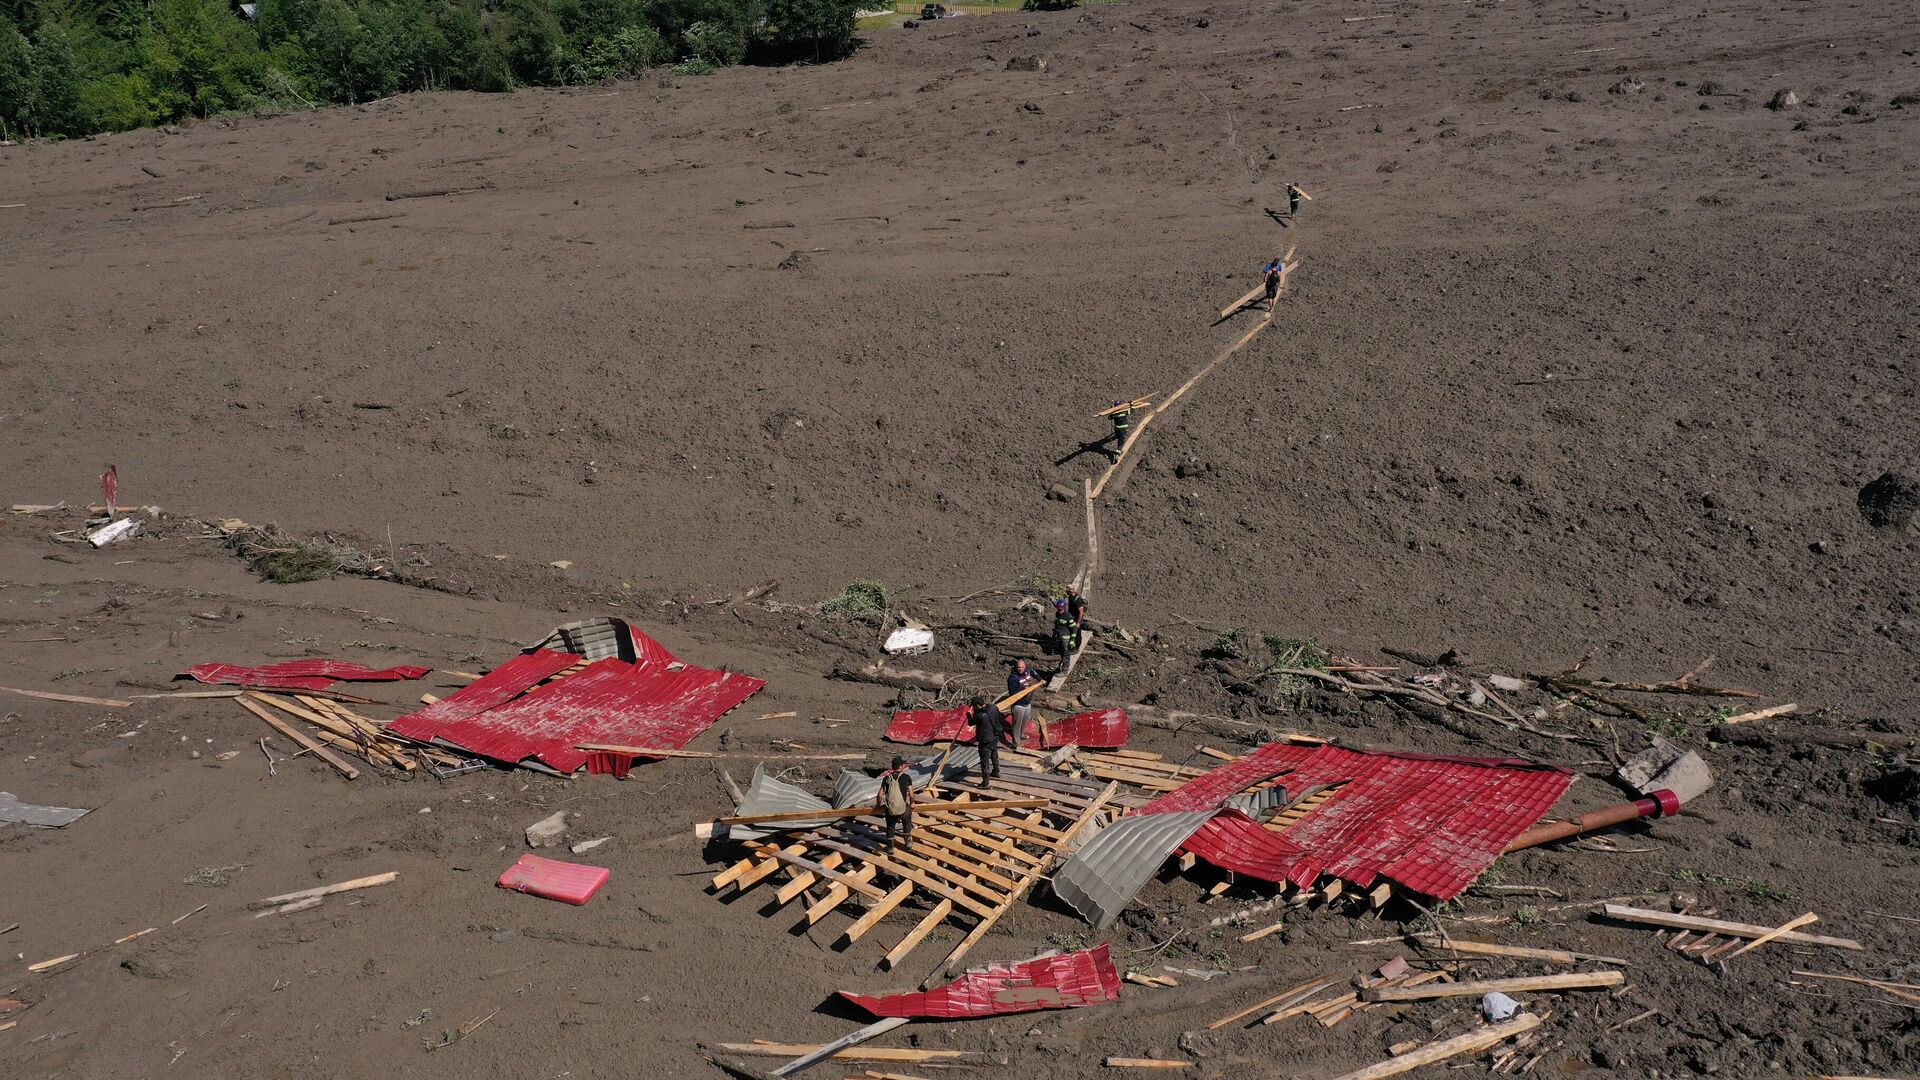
(1066,981)
(300,674)
(1100,729)
(922,726)
(1432,824)
(496,687)
(658,702)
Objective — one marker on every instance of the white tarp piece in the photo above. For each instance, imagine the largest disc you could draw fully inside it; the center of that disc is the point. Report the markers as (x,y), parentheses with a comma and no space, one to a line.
(107,534)
(47,817)
(909,640)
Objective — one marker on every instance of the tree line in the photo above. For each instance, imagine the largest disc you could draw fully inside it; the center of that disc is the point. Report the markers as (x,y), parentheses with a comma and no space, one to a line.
(75,67)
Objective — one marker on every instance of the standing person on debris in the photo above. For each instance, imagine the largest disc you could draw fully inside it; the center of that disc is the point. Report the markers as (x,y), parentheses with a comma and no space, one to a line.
(989,728)
(1021,677)
(1293,200)
(1270,276)
(895,799)
(1077,607)
(1122,427)
(1066,630)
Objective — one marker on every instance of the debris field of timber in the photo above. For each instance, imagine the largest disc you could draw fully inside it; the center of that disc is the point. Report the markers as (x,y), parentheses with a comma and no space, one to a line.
(1430,713)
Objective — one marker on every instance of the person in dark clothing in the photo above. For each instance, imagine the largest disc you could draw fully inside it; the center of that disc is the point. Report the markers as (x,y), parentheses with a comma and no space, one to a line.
(1077,607)
(1122,428)
(1066,630)
(894,798)
(989,730)
(1270,276)
(1294,195)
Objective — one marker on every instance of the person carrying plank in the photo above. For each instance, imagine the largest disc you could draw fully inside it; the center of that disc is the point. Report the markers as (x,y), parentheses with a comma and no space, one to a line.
(1270,276)
(989,730)
(1021,677)
(894,798)
(1294,195)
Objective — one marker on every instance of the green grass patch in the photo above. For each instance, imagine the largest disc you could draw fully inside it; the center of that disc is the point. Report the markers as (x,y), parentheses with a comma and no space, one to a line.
(857,599)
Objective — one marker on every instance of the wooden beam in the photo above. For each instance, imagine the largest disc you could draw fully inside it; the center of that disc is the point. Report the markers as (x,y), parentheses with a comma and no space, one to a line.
(863,811)
(1784,928)
(1488,948)
(1731,929)
(643,751)
(1471,1042)
(918,934)
(326,890)
(837,895)
(1571,980)
(296,735)
(1145,1063)
(1278,1001)
(877,912)
(871,1031)
(110,703)
(871,1053)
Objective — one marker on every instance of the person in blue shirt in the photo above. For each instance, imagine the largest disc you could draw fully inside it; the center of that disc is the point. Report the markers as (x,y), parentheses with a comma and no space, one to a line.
(1270,276)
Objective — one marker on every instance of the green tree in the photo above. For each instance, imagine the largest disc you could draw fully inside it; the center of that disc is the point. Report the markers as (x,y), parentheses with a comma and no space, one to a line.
(54,81)
(201,58)
(16,80)
(816,30)
(537,41)
(716,42)
(121,101)
(476,58)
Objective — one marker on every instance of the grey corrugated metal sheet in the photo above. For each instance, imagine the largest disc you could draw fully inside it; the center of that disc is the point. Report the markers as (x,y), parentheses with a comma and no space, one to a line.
(857,789)
(767,795)
(1103,876)
(595,639)
(1260,805)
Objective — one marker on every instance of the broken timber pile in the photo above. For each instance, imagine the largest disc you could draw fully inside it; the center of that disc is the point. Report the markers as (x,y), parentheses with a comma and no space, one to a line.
(336,727)
(966,864)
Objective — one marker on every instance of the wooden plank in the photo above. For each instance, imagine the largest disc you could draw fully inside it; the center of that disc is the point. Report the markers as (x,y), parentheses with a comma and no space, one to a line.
(1571,980)
(111,703)
(864,811)
(1488,948)
(1278,1001)
(643,751)
(918,934)
(1145,1063)
(837,895)
(908,873)
(1264,931)
(1784,928)
(1673,921)
(1134,404)
(326,890)
(871,1031)
(290,732)
(871,1053)
(1471,1042)
(805,878)
(877,912)
(848,880)
(1057,854)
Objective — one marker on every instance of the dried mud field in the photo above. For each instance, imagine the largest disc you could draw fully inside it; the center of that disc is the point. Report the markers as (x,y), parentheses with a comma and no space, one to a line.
(1589,354)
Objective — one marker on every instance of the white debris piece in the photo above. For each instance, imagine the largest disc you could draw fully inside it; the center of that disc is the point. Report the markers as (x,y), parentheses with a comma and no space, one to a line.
(119,530)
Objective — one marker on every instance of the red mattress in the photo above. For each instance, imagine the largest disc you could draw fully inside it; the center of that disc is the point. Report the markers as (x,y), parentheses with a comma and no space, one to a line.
(571,883)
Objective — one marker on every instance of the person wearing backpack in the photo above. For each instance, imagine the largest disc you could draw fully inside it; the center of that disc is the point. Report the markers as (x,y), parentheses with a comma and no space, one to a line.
(895,799)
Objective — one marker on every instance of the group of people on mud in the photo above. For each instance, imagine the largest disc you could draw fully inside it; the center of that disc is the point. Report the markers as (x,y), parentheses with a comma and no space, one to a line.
(992,726)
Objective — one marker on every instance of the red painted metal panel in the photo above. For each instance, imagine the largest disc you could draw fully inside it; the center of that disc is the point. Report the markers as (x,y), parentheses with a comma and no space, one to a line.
(570,883)
(300,674)
(609,701)
(1066,981)
(922,726)
(1432,824)
(1101,729)
(496,687)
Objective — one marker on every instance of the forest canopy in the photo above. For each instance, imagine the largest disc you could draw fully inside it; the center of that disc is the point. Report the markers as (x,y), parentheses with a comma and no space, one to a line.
(74,67)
